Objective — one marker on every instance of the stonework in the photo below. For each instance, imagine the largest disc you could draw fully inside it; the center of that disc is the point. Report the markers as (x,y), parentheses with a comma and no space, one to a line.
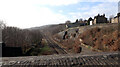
(119,17)
(67,60)
(116,19)
(100,19)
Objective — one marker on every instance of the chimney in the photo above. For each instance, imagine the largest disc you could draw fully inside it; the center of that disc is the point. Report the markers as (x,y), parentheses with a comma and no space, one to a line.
(103,15)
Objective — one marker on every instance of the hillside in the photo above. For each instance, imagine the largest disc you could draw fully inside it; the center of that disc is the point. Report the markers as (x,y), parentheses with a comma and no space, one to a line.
(50,29)
(103,37)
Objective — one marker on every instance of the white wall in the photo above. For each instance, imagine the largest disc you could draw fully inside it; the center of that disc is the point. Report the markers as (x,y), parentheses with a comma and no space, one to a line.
(91,23)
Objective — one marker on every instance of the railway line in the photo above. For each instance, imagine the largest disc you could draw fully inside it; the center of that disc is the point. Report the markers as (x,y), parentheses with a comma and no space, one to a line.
(56,48)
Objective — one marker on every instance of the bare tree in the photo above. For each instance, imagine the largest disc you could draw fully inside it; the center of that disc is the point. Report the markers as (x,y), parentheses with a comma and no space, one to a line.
(68,22)
(76,21)
(2,25)
(16,37)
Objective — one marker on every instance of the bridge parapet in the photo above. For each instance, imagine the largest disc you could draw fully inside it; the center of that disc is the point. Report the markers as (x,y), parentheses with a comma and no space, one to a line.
(102,58)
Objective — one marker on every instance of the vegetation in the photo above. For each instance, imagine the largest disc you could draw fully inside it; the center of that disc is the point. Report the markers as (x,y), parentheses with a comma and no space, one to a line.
(105,39)
(15,37)
(37,50)
(31,41)
(71,45)
(53,29)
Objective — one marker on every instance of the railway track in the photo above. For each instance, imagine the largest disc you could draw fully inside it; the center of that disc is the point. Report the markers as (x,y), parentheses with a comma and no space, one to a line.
(56,48)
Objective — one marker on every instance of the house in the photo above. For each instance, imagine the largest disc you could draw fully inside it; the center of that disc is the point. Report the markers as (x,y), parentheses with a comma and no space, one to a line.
(116,19)
(90,21)
(100,19)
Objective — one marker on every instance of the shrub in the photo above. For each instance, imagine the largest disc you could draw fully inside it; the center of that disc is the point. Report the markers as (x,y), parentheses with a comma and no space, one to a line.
(106,38)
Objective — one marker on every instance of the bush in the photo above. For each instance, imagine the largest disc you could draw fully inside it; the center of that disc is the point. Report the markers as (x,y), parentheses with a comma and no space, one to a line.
(36,51)
(105,39)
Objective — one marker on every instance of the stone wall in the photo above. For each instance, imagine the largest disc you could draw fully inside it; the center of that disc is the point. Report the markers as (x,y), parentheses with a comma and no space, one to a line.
(114,20)
(67,60)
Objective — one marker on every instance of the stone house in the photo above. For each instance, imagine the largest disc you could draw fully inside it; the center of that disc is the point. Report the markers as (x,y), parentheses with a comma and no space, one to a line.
(100,19)
(116,19)
(90,21)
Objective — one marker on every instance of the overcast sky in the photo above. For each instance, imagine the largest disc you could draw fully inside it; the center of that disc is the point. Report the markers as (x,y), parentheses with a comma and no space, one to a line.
(31,13)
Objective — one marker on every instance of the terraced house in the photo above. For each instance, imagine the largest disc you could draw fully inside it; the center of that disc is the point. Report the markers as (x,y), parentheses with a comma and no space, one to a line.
(116,19)
(100,19)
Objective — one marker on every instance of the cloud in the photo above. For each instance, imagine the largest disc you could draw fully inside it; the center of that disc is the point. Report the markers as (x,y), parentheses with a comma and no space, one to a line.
(60,11)
(107,8)
(85,8)
(31,13)
(98,0)
(57,2)
(66,2)
(24,14)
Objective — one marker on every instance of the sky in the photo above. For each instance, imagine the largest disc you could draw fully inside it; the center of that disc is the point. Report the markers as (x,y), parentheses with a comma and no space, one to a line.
(32,13)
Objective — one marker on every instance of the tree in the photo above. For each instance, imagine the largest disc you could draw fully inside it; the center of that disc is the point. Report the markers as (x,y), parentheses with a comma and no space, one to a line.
(68,22)
(80,19)
(2,25)
(15,37)
(76,21)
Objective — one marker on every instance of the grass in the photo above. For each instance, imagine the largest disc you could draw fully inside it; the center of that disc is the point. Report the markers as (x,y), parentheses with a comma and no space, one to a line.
(36,51)
(45,51)
(45,48)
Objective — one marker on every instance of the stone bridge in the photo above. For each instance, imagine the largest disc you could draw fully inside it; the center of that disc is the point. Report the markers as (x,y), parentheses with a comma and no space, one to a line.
(101,58)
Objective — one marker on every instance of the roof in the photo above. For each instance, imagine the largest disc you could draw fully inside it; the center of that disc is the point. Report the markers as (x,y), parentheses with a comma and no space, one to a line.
(100,16)
(118,14)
